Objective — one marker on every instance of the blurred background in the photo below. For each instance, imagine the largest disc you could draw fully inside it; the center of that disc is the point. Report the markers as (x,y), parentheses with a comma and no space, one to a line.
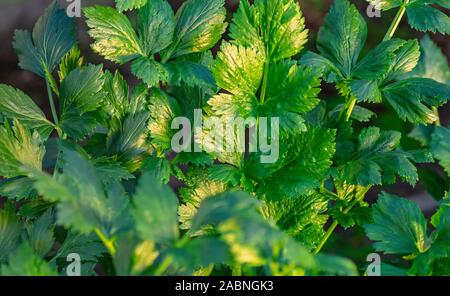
(22,14)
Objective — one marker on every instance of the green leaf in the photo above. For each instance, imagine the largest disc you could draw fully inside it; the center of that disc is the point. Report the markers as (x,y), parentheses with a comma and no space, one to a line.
(412,98)
(78,126)
(17,188)
(194,158)
(225,173)
(443,3)
(366,90)
(163,109)
(199,26)
(398,227)
(359,113)
(273,27)
(88,247)
(82,89)
(191,74)
(378,61)
(304,160)
(40,235)
(10,231)
(427,18)
(391,270)
(117,92)
(335,265)
(53,36)
(83,203)
(16,104)
(25,262)
(200,186)
(81,94)
(149,71)
(255,242)
(359,215)
(19,147)
(110,170)
(223,207)
(201,252)
(238,70)
(376,161)
(302,218)
(343,35)
(123,5)
(435,260)
(441,244)
(433,63)
(292,91)
(128,140)
(329,70)
(422,134)
(71,61)
(406,60)
(156,26)
(440,146)
(155,211)
(115,38)
(421,155)
(159,168)
(435,184)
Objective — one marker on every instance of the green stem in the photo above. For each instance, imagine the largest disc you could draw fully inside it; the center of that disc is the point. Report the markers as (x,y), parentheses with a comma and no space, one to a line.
(396,21)
(438,120)
(167,261)
(326,237)
(52,102)
(264,84)
(347,110)
(350,108)
(333,227)
(107,242)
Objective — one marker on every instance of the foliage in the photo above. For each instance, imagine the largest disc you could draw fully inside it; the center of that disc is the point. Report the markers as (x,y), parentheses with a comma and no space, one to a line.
(93,180)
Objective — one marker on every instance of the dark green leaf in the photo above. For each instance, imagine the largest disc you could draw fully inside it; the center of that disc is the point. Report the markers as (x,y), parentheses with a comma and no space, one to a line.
(398,227)
(25,262)
(343,35)
(440,146)
(427,18)
(53,36)
(10,231)
(155,211)
(16,104)
(156,26)
(123,5)
(149,71)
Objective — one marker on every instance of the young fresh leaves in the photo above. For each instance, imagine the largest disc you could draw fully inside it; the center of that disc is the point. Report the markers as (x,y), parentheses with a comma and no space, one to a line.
(423,15)
(53,36)
(399,227)
(375,77)
(196,27)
